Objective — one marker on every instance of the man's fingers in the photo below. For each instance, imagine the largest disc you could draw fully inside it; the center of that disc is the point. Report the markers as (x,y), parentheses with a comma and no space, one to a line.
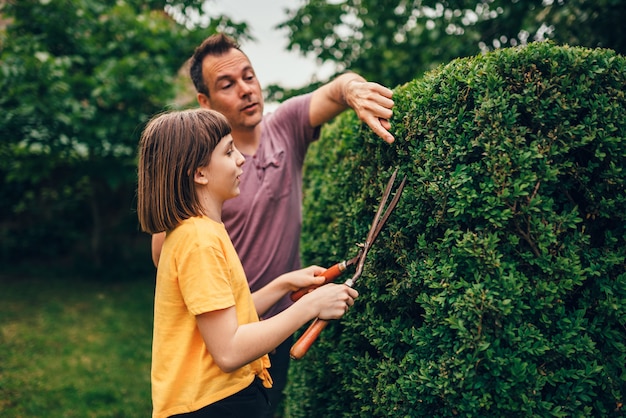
(373,104)
(385,123)
(381,128)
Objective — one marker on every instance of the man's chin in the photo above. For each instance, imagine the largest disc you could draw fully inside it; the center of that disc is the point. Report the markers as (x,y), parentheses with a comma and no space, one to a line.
(252,121)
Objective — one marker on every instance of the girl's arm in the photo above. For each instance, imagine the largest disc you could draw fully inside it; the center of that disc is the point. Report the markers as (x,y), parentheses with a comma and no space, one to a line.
(271,293)
(233,346)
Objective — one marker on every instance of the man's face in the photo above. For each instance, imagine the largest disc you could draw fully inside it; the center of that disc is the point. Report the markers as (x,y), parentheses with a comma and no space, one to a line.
(234,90)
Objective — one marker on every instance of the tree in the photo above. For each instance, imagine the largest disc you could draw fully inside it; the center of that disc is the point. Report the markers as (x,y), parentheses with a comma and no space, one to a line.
(79,80)
(394,41)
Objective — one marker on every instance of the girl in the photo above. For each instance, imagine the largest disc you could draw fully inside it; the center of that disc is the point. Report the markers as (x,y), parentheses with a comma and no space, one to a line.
(209,352)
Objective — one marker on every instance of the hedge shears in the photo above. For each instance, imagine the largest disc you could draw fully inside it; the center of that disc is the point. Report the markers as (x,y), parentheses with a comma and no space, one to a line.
(299,349)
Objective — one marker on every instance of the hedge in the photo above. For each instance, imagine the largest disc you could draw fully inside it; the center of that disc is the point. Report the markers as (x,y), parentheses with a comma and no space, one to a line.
(498,286)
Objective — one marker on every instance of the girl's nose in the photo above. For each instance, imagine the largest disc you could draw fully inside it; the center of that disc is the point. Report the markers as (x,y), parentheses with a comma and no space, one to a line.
(240,158)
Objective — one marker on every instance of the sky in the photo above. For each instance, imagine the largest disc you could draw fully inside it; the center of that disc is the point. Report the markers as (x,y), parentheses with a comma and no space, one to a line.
(272,62)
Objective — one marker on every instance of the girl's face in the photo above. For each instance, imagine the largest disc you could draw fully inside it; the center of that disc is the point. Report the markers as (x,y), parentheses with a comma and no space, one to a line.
(221,176)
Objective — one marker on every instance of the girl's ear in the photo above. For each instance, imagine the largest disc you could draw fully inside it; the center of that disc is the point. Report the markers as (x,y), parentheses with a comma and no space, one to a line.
(200,176)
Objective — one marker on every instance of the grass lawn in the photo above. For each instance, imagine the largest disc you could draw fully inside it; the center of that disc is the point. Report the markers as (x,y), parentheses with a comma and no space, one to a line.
(75,348)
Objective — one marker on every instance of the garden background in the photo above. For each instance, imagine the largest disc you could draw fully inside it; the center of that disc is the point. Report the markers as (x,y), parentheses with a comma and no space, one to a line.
(77,86)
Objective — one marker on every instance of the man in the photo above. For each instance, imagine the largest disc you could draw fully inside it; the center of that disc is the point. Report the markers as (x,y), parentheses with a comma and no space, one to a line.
(264,221)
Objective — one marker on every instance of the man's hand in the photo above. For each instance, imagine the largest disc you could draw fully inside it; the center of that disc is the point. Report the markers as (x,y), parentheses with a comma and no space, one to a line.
(372,104)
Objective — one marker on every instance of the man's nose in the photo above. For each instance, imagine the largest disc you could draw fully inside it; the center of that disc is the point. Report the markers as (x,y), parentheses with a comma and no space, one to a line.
(245,89)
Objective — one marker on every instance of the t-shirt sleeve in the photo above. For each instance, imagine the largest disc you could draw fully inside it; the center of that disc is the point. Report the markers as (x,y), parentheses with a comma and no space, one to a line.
(291,121)
(205,280)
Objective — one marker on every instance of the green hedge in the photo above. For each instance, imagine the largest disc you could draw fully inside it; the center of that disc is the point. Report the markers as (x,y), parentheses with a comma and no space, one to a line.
(498,286)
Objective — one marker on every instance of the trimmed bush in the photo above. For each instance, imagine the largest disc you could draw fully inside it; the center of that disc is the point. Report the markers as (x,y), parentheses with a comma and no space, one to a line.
(498,287)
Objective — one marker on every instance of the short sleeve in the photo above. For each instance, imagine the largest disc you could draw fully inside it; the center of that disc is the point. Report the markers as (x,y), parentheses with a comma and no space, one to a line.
(204,280)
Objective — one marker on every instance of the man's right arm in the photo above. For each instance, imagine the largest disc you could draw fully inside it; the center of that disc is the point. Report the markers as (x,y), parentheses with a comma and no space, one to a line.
(157,244)
(372,103)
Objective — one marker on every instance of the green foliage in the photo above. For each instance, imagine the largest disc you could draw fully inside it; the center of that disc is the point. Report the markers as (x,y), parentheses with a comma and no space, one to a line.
(498,287)
(79,79)
(393,41)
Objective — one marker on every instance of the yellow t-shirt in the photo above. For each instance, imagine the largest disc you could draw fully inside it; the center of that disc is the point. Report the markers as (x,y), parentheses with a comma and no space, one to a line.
(199,271)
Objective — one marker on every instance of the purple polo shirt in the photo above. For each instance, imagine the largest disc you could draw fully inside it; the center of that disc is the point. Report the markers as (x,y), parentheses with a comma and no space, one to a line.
(265,220)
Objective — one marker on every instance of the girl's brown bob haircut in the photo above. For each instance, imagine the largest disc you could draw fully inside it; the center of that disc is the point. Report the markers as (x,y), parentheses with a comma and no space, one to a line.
(172,147)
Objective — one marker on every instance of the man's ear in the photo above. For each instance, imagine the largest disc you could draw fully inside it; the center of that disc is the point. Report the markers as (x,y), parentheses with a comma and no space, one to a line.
(200,176)
(203,100)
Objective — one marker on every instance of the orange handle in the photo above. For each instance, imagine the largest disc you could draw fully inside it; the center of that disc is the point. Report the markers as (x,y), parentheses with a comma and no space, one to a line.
(306,340)
(329,275)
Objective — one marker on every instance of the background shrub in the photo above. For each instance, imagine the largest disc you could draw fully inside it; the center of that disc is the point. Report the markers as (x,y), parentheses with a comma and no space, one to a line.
(498,287)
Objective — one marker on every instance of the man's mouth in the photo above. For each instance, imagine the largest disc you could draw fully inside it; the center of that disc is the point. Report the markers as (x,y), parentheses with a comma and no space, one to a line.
(249,107)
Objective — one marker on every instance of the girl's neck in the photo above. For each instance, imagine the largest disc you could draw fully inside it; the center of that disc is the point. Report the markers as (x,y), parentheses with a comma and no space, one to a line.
(210,208)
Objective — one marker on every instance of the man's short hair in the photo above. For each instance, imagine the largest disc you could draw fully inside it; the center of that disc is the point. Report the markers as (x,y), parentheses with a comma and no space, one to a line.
(217,44)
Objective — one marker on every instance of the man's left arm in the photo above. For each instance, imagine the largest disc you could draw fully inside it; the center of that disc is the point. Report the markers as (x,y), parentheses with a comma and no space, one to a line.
(372,103)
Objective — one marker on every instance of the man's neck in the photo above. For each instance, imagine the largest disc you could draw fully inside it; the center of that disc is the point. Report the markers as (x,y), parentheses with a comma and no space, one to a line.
(247,141)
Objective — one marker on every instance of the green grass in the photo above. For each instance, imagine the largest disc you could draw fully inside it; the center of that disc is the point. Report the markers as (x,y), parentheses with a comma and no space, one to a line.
(71,348)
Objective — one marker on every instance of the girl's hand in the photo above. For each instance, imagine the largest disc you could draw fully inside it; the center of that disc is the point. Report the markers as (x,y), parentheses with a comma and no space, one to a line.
(269,294)
(332,300)
(309,276)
